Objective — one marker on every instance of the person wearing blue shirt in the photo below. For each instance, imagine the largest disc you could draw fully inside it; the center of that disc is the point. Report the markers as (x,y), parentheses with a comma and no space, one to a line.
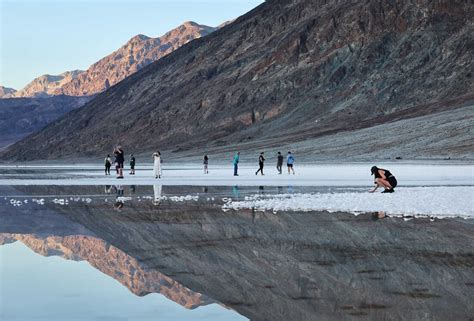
(290,161)
(236,163)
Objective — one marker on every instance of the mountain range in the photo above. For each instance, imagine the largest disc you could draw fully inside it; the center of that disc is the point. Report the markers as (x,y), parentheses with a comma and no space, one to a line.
(138,52)
(285,72)
(48,97)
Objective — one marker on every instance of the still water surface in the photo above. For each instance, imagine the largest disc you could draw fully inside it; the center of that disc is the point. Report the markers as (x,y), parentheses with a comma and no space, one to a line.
(128,253)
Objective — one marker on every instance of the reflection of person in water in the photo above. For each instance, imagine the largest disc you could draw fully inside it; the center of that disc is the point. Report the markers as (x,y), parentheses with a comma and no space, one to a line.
(157,194)
(261,190)
(119,190)
(133,189)
(235,191)
(118,205)
(108,189)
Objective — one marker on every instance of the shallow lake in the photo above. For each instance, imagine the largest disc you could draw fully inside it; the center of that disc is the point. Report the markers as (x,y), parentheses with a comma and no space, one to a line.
(159,252)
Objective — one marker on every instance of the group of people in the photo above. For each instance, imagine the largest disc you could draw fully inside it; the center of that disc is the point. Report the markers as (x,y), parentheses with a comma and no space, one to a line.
(382,177)
(290,160)
(119,160)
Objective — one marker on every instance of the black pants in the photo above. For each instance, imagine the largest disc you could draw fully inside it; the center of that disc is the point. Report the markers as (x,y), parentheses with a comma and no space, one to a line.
(392,181)
(260,168)
(107,169)
(279,168)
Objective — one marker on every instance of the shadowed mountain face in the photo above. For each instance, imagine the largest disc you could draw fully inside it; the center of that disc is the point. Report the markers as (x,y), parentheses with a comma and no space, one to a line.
(286,71)
(287,266)
(20,117)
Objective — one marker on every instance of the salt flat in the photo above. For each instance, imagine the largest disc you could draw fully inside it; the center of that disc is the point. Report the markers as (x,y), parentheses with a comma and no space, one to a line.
(220,175)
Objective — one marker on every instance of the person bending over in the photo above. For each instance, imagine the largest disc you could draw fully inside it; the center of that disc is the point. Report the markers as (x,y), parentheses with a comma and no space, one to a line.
(383,178)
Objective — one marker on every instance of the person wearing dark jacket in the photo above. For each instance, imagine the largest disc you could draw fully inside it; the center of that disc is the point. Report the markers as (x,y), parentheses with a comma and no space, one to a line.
(205,162)
(132,164)
(383,178)
(119,159)
(108,164)
(279,162)
(261,160)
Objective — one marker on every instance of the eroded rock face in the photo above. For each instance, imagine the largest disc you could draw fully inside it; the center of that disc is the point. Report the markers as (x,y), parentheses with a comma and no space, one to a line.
(47,85)
(284,72)
(111,261)
(133,56)
(6,92)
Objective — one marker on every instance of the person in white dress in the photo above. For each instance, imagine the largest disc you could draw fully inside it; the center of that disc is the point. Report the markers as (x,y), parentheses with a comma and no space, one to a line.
(157,164)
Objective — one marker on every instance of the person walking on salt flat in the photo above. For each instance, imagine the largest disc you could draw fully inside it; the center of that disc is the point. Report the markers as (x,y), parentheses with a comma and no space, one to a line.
(157,164)
(205,162)
(108,164)
(236,163)
(132,164)
(279,162)
(383,178)
(290,161)
(261,160)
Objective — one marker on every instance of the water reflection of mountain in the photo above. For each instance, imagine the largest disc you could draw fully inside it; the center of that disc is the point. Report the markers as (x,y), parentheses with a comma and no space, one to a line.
(113,262)
(297,266)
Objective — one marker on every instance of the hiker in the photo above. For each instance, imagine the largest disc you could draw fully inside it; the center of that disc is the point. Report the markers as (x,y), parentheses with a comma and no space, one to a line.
(383,178)
(261,160)
(119,159)
(290,161)
(279,162)
(132,164)
(157,164)
(236,163)
(108,164)
(205,161)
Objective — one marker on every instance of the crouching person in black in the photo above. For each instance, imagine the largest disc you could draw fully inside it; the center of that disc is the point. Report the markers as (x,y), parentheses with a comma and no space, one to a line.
(383,178)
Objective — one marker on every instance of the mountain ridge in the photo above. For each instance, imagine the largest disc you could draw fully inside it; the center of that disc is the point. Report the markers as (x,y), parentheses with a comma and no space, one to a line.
(283,71)
(137,52)
(104,70)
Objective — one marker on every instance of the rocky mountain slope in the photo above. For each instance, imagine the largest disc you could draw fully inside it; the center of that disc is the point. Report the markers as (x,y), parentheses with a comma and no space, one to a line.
(6,92)
(131,57)
(25,116)
(284,72)
(20,117)
(46,85)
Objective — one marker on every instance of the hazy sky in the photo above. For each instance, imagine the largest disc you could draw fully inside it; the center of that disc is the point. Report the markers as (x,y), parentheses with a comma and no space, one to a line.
(50,37)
